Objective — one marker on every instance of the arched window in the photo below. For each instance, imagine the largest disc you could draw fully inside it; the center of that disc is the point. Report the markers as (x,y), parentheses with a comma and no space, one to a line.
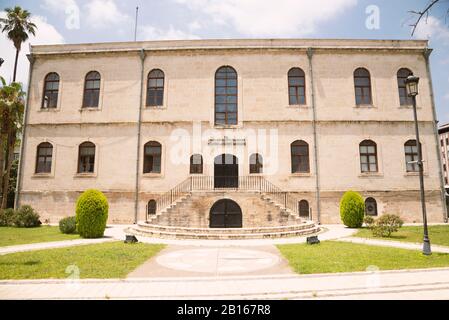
(51,91)
(152,157)
(370,207)
(151,207)
(226,96)
(404,99)
(196,164)
(296,86)
(362,83)
(303,207)
(86,158)
(300,156)
(44,157)
(255,163)
(368,156)
(411,155)
(92,90)
(155,90)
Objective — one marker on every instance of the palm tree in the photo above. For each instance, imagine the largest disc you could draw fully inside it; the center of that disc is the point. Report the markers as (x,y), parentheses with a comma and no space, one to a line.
(12,106)
(18,26)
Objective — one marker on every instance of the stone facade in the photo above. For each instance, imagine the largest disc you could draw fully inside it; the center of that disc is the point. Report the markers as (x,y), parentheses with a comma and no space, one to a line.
(443,132)
(330,123)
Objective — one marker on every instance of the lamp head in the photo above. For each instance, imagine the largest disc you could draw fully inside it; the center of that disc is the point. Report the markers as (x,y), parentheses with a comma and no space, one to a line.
(411,84)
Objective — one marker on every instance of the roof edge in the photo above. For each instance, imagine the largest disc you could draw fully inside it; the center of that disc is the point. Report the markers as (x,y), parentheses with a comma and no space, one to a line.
(230,44)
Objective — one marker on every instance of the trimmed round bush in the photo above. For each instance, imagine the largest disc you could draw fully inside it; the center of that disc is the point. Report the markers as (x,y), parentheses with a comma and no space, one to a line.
(26,217)
(7,217)
(68,225)
(352,209)
(91,214)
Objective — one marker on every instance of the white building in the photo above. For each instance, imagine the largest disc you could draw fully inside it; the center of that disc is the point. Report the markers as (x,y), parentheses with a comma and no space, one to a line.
(184,124)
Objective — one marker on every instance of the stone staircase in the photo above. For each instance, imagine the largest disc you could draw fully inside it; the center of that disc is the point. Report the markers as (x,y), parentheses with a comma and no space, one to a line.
(192,209)
(167,232)
(183,212)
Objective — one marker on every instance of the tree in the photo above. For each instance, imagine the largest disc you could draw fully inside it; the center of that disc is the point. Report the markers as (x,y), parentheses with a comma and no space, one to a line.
(12,107)
(18,26)
(425,13)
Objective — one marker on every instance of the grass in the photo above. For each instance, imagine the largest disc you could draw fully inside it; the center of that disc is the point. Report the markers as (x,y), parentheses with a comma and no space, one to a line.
(105,260)
(438,234)
(10,236)
(333,256)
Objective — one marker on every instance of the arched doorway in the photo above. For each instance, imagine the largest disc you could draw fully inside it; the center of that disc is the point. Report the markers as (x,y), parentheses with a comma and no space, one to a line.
(370,207)
(225,213)
(226,171)
(303,208)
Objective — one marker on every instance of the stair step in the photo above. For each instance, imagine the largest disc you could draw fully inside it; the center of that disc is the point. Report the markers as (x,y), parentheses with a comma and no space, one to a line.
(160,228)
(223,236)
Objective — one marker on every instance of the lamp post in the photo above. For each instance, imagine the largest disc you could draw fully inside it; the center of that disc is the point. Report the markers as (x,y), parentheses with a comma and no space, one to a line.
(412,90)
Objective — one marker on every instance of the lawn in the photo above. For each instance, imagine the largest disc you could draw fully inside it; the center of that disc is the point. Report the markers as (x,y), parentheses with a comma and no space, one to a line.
(106,260)
(438,234)
(13,236)
(333,256)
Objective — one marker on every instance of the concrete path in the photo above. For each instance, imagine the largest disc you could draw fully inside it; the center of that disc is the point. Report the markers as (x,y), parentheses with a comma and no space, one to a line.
(416,284)
(181,261)
(392,243)
(51,245)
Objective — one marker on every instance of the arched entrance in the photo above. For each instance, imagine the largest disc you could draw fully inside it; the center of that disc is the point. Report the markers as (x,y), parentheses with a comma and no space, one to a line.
(225,213)
(226,171)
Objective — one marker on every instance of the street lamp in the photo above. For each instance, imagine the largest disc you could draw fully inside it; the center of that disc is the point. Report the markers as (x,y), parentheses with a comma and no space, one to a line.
(1,61)
(412,90)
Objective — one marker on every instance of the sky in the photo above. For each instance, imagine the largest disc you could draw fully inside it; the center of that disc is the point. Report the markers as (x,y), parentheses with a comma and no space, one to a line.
(84,21)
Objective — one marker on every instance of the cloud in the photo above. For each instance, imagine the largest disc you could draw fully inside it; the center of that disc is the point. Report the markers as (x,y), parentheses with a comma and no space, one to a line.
(152,33)
(270,18)
(45,34)
(432,29)
(194,25)
(104,14)
(58,6)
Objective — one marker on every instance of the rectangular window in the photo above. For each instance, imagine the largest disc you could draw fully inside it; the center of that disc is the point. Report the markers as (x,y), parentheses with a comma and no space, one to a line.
(368,157)
(411,156)
(86,159)
(44,158)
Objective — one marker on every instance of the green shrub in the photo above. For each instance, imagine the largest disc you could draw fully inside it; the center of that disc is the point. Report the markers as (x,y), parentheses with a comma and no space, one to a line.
(26,217)
(352,209)
(369,221)
(91,214)
(68,225)
(386,225)
(7,217)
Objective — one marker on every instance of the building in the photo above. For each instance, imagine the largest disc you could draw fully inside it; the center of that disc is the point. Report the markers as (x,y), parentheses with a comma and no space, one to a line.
(229,133)
(443,132)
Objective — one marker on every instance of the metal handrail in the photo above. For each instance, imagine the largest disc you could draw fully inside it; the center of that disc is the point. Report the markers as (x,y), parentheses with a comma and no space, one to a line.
(212,183)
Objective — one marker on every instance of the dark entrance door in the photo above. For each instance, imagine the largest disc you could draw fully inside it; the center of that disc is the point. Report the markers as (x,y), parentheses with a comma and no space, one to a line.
(225,214)
(226,171)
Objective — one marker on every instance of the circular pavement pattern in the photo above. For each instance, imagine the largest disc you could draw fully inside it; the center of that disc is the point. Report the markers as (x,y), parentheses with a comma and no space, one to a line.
(218,260)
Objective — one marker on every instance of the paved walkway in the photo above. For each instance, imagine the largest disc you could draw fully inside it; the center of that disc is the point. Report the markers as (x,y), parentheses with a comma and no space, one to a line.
(395,244)
(416,284)
(181,261)
(51,245)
